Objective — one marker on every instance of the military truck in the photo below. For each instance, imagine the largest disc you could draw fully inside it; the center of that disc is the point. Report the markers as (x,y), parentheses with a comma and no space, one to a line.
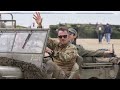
(22,53)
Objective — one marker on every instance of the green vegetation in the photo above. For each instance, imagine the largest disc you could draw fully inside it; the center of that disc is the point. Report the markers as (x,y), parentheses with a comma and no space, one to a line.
(85,30)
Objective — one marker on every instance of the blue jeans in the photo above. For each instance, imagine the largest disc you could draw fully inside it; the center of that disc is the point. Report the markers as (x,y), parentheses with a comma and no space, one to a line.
(108,37)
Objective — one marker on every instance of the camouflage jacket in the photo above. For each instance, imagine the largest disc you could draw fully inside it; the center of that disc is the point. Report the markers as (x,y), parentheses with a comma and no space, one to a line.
(64,56)
(89,56)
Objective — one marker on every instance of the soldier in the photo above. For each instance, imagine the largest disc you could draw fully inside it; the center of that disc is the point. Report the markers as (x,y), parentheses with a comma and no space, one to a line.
(108,32)
(73,35)
(64,54)
(90,55)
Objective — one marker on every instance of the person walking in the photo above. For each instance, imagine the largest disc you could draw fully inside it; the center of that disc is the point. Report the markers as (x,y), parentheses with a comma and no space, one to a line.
(108,32)
(100,32)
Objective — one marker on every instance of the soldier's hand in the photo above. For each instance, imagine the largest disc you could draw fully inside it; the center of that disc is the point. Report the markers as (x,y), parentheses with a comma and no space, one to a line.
(46,54)
(38,18)
(48,50)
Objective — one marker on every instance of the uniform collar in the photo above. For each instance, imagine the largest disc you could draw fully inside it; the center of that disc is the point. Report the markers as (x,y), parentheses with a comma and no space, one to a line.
(73,42)
(65,45)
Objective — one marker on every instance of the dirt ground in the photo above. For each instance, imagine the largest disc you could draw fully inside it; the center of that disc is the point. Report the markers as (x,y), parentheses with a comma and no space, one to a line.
(92,44)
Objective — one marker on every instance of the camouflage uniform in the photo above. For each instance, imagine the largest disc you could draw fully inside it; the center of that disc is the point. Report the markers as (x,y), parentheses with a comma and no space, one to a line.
(64,58)
(90,56)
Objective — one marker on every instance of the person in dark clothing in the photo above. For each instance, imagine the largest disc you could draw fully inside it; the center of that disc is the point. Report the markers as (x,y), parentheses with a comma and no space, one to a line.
(100,32)
(108,32)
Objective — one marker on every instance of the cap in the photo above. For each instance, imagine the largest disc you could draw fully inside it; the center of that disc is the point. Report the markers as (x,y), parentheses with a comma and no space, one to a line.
(72,31)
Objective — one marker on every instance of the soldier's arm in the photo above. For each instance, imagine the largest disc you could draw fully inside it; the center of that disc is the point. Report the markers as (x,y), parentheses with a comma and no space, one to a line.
(38,19)
(51,43)
(88,53)
(39,26)
(92,53)
(69,54)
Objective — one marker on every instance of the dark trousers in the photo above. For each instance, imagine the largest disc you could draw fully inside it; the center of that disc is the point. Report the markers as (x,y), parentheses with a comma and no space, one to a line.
(100,36)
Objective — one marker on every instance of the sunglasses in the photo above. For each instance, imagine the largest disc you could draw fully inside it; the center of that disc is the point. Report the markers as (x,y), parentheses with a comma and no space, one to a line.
(64,36)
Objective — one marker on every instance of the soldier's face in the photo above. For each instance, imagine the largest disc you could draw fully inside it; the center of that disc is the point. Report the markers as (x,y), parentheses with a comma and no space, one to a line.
(71,36)
(63,37)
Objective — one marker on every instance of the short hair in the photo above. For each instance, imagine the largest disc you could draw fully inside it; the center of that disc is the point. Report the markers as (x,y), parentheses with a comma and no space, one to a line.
(62,29)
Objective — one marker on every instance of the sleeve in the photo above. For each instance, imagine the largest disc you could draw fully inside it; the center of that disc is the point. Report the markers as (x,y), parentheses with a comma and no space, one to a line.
(39,26)
(51,43)
(69,54)
(89,53)
(94,53)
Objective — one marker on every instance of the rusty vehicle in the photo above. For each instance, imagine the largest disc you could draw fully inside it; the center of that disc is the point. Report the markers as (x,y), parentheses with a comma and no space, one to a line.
(26,47)
(101,69)
(22,54)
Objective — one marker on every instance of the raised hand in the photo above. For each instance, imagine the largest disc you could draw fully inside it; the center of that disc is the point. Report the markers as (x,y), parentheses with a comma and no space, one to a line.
(38,18)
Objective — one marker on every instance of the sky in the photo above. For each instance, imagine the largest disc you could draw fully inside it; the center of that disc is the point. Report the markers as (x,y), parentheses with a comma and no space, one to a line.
(25,18)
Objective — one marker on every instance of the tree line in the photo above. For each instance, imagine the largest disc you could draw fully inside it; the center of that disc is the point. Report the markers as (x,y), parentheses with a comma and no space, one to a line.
(85,30)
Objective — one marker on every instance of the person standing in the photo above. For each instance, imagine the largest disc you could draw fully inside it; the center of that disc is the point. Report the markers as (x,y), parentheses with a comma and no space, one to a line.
(100,32)
(108,32)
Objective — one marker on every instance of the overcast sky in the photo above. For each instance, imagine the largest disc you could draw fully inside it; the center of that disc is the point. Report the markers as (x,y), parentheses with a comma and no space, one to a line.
(111,17)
